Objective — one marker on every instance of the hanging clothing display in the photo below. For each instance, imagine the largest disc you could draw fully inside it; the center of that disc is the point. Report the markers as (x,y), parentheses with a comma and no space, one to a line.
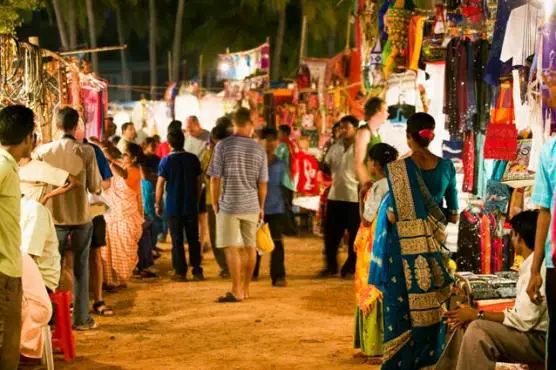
(460,104)
(521,34)
(469,162)
(480,247)
(402,96)
(495,67)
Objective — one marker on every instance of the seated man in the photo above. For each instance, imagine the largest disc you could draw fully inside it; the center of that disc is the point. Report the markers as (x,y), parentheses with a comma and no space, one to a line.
(38,234)
(36,309)
(516,335)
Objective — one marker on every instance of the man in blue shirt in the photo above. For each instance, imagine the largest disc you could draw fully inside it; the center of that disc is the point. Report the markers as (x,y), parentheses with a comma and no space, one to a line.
(274,208)
(180,173)
(543,196)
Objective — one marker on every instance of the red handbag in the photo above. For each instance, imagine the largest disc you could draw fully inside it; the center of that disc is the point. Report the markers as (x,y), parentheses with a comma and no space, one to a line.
(501,134)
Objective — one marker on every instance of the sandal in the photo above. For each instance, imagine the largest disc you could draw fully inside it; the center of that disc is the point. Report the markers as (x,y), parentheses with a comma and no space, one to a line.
(228,298)
(101,309)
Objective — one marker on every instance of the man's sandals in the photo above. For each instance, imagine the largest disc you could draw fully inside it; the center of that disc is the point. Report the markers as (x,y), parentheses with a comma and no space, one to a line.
(101,309)
(228,298)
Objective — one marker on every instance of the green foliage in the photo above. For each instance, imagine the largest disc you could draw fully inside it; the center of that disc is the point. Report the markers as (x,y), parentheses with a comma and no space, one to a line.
(12,12)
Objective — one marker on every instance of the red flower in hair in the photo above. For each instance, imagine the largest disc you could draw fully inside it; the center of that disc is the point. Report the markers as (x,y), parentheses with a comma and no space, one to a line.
(427,134)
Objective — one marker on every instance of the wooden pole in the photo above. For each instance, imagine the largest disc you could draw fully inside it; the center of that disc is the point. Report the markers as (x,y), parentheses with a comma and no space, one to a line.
(303,38)
(201,71)
(94,50)
(169,65)
(348,33)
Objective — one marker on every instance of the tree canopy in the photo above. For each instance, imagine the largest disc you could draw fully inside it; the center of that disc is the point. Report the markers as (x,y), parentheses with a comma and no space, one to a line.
(13,12)
(209,26)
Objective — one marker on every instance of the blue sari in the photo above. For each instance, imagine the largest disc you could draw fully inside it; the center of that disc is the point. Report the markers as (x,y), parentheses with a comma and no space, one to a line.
(409,269)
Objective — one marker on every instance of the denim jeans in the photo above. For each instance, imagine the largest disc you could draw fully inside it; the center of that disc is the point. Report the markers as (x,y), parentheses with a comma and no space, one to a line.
(78,239)
(10,321)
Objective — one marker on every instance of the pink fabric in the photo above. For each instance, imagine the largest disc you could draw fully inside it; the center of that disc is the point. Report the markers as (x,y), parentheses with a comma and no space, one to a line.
(91,112)
(36,309)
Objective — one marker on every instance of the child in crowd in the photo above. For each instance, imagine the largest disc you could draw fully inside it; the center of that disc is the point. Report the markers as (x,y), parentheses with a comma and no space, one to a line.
(151,162)
(368,334)
(274,208)
(180,175)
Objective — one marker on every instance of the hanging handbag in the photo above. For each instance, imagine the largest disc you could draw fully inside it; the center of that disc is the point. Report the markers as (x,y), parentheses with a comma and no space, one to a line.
(265,244)
(501,133)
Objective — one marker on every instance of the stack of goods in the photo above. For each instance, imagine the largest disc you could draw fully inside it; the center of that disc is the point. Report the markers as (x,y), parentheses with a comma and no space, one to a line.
(501,285)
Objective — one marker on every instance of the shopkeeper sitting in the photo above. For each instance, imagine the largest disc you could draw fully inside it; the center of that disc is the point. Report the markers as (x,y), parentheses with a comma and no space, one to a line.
(516,335)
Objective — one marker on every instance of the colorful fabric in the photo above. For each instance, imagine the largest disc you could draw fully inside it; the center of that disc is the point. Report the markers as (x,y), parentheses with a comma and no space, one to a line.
(469,162)
(368,315)
(286,152)
(124,226)
(369,331)
(307,178)
(418,284)
(416,28)
(485,245)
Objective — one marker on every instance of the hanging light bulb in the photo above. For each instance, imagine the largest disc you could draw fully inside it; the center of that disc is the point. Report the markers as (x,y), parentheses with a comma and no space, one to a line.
(224,67)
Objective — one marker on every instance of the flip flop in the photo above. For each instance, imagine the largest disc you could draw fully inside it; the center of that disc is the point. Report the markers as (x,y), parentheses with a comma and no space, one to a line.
(228,298)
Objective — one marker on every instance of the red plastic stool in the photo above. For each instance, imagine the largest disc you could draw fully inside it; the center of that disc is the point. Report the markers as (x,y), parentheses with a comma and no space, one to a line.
(62,336)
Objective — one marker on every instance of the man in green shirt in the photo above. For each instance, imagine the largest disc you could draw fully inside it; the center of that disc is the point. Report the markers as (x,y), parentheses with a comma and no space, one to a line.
(16,141)
(284,152)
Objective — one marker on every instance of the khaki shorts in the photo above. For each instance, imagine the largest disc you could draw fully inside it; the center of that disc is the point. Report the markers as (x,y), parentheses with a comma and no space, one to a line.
(236,230)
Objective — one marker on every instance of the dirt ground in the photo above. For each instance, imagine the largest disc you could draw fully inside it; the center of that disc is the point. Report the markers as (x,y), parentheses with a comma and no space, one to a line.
(161,324)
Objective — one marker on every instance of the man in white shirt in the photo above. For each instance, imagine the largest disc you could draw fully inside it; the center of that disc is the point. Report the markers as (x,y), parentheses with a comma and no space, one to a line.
(517,335)
(342,211)
(196,138)
(128,136)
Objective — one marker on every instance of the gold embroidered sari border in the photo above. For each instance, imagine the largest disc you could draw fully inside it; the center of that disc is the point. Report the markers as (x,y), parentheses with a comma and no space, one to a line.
(401,188)
(392,347)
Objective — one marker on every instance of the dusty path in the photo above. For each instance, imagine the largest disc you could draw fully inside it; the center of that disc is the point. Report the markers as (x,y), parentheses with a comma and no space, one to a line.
(166,325)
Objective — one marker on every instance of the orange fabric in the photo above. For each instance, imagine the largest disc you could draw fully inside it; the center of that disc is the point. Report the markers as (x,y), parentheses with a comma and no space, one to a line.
(133,181)
(124,226)
(416,29)
(485,245)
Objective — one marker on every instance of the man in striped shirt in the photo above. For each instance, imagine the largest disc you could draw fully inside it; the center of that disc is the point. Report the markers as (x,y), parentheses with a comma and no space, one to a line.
(239,177)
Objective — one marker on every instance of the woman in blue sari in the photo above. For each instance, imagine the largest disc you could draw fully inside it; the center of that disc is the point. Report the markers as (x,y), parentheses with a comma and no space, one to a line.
(408,263)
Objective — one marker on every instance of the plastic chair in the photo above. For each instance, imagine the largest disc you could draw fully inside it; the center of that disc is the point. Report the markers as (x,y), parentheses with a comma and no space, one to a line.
(47,355)
(62,337)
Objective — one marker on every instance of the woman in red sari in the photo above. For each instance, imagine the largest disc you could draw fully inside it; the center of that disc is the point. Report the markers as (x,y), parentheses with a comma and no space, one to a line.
(124,220)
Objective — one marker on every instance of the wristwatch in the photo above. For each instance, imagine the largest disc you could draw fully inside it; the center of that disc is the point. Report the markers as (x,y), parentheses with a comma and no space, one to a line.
(481,315)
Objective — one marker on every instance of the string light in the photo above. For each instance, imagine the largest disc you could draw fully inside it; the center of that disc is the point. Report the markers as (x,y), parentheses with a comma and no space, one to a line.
(224,67)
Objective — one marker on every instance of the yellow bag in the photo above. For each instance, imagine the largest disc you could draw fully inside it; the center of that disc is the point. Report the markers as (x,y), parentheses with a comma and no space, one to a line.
(265,244)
